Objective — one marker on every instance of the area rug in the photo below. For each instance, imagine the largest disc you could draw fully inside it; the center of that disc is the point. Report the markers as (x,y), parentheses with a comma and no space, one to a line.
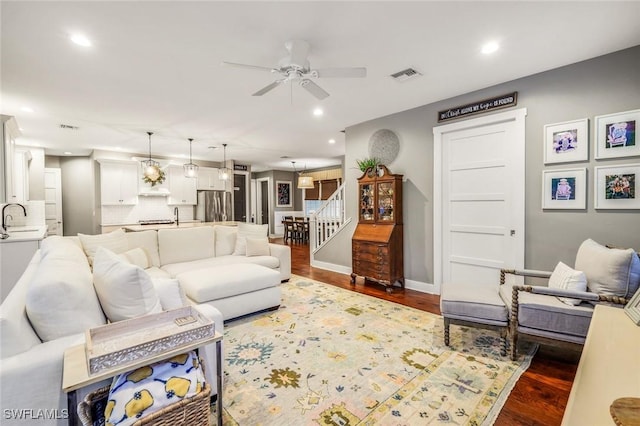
(330,356)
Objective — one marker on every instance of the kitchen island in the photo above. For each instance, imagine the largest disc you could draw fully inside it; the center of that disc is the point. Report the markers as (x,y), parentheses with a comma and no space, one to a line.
(137,227)
(16,252)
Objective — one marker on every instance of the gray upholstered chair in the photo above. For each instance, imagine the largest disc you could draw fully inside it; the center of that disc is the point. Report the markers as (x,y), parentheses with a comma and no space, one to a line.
(542,314)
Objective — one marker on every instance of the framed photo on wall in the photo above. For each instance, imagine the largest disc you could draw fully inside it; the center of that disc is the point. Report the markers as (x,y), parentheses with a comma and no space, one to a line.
(284,197)
(564,189)
(616,135)
(616,187)
(566,142)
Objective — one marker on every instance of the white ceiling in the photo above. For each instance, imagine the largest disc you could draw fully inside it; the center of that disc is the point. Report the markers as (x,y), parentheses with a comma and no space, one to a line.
(157,66)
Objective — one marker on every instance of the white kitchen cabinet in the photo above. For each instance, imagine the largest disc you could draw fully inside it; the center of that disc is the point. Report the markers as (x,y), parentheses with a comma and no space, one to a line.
(118,183)
(182,189)
(208,179)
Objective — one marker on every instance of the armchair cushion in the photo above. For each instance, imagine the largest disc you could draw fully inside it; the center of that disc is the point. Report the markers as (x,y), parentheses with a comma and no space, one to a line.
(609,271)
(541,312)
(567,278)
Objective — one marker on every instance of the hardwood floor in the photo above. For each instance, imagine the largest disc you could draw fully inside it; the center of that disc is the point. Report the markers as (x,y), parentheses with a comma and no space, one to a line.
(540,396)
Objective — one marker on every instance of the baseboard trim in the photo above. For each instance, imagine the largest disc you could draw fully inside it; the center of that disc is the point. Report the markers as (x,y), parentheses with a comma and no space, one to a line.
(410,284)
(341,269)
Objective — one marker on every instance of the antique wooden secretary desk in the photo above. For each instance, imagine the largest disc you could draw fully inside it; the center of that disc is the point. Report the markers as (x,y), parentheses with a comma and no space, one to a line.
(377,242)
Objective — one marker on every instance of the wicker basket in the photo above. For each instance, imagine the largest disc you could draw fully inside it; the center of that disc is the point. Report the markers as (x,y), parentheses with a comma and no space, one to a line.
(191,411)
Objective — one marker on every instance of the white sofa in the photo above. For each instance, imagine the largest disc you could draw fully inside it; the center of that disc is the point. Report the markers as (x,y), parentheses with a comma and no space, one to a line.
(54,301)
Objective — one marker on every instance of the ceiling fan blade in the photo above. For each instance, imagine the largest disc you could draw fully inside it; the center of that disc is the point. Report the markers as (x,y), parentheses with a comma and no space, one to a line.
(298,49)
(256,67)
(268,88)
(356,72)
(314,89)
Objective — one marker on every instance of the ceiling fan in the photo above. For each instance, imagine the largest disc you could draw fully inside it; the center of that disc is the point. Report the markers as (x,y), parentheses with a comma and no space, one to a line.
(295,68)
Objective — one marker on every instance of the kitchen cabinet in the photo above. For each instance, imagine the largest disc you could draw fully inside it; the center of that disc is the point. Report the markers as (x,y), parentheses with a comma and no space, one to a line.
(118,182)
(377,243)
(208,179)
(182,189)
(15,254)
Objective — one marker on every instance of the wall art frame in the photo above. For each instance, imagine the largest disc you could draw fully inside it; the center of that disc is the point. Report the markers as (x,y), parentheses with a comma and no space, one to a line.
(564,189)
(566,142)
(632,308)
(617,135)
(616,187)
(284,197)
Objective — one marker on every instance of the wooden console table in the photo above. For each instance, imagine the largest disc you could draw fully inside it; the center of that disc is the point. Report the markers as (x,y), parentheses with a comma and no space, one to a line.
(608,368)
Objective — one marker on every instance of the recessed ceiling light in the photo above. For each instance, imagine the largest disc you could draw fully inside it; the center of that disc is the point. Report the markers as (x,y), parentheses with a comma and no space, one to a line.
(80,40)
(332,141)
(318,112)
(26,109)
(490,47)
(68,153)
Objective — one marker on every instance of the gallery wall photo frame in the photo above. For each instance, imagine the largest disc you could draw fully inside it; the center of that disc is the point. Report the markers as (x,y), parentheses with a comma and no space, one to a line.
(566,142)
(616,135)
(564,189)
(616,187)
(284,197)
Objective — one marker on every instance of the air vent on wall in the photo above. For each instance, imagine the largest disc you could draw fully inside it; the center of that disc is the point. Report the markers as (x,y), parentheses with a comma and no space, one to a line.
(405,75)
(68,127)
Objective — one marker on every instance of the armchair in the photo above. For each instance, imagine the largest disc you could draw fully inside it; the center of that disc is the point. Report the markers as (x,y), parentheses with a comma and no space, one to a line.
(542,314)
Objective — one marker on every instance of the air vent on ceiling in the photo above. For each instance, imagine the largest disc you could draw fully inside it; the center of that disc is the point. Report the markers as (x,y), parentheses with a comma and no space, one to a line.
(405,75)
(68,127)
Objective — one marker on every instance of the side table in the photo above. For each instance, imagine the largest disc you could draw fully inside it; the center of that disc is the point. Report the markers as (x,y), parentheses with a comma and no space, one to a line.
(75,373)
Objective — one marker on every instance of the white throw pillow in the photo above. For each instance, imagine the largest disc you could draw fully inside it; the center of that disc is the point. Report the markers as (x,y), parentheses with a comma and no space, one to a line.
(136,256)
(60,300)
(225,237)
(258,246)
(114,241)
(608,270)
(125,291)
(171,294)
(248,230)
(567,278)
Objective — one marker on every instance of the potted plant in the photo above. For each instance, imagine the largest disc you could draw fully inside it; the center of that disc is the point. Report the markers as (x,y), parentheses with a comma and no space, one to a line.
(370,163)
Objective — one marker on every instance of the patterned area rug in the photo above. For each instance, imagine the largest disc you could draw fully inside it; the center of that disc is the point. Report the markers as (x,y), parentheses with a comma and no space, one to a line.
(330,356)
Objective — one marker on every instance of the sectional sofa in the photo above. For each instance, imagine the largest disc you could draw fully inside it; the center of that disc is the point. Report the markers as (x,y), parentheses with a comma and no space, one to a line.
(76,283)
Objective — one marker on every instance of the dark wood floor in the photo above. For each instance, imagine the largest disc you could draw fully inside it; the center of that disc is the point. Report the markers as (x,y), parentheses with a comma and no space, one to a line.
(539,397)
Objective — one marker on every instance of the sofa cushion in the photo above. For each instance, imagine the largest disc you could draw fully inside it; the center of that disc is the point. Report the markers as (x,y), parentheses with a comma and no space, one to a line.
(257,246)
(567,278)
(114,241)
(225,237)
(248,230)
(170,293)
(148,241)
(177,268)
(125,291)
(185,244)
(136,256)
(536,311)
(60,299)
(608,270)
(203,285)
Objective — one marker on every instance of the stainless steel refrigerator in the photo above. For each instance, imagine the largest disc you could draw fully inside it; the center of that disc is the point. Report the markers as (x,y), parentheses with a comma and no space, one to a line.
(214,206)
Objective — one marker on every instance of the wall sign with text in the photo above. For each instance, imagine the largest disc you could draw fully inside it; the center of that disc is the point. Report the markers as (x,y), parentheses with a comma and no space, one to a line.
(486,105)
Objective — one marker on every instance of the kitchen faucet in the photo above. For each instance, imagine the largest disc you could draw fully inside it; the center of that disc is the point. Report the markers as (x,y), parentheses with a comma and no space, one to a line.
(176,214)
(3,230)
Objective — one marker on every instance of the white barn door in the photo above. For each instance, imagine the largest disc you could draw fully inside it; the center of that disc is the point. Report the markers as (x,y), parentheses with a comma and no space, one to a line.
(479,177)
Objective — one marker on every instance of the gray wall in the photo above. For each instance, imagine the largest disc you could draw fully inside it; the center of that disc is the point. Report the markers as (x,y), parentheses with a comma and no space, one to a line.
(603,85)
(78,195)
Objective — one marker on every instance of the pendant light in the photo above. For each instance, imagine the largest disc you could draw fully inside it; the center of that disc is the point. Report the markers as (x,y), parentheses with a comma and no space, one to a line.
(224,173)
(304,181)
(190,169)
(149,166)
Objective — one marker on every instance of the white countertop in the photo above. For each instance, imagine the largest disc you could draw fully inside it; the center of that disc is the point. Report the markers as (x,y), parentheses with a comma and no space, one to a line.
(25,233)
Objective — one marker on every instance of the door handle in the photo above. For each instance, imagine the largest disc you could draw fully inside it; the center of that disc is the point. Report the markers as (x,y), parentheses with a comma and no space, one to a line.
(513,232)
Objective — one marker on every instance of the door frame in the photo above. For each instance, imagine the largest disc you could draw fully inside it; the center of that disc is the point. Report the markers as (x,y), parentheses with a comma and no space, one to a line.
(247,194)
(259,196)
(518,117)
